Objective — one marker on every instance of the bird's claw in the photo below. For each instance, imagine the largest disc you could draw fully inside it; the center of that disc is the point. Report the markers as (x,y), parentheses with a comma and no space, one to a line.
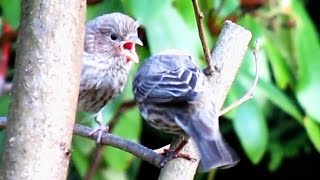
(100,130)
(171,154)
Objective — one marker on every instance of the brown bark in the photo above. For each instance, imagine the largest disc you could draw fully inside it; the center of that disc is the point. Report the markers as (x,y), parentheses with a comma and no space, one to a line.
(227,56)
(45,90)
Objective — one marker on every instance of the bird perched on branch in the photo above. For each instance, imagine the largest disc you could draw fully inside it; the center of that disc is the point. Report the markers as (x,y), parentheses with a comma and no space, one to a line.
(109,53)
(175,96)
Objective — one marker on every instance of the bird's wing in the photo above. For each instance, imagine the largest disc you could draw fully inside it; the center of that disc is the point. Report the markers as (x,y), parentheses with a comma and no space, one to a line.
(168,85)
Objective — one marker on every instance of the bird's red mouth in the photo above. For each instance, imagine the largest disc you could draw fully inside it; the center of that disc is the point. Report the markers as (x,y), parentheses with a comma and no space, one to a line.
(129,50)
(128,45)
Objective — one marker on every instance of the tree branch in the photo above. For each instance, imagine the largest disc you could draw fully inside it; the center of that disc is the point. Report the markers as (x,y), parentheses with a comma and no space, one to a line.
(138,150)
(199,17)
(45,90)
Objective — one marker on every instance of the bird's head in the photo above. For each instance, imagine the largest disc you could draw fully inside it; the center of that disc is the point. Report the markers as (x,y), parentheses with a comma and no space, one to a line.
(113,35)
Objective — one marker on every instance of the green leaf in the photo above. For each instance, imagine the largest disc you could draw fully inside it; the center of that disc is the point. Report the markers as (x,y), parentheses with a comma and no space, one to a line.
(278,98)
(2,141)
(114,174)
(313,131)
(129,127)
(278,44)
(165,27)
(11,12)
(106,6)
(251,23)
(281,71)
(228,7)
(276,156)
(251,128)
(307,50)
(4,105)
(185,9)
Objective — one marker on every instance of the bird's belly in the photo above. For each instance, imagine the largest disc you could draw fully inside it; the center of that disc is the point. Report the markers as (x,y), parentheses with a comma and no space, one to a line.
(93,100)
(160,119)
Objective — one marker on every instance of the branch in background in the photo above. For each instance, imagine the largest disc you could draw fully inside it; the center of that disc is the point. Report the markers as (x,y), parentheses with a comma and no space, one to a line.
(249,94)
(138,150)
(125,106)
(96,157)
(206,51)
(98,152)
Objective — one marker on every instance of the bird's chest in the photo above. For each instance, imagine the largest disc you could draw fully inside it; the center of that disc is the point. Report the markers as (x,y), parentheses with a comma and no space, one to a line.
(99,87)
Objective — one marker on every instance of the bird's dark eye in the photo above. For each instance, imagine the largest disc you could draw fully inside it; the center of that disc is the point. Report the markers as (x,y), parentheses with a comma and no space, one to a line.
(113,37)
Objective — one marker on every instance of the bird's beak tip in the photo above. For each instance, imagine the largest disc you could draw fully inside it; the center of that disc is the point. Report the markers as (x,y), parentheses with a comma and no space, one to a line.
(136,40)
(139,42)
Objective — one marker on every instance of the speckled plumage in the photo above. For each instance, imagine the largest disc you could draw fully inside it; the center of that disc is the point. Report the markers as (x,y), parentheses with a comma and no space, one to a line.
(105,66)
(175,96)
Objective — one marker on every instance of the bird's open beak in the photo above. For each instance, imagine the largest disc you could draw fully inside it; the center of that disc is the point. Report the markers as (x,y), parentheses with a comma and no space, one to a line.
(129,49)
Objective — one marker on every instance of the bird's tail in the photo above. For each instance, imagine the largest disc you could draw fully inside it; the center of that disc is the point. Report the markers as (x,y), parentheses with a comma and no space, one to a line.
(215,154)
(214,150)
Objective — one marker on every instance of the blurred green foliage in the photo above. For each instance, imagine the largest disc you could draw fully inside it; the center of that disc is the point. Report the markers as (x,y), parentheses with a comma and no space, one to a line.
(285,101)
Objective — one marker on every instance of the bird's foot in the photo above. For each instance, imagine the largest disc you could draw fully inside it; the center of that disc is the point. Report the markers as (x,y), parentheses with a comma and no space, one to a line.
(100,130)
(171,154)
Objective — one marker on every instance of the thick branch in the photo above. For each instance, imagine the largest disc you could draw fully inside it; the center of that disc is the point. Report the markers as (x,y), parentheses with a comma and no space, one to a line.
(228,54)
(138,150)
(45,90)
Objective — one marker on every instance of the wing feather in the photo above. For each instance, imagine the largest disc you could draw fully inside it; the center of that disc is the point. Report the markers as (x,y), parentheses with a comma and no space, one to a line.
(163,79)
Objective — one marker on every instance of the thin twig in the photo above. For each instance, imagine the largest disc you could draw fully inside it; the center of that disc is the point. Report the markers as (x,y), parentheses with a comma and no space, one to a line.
(199,17)
(98,152)
(249,94)
(95,162)
(125,106)
(138,150)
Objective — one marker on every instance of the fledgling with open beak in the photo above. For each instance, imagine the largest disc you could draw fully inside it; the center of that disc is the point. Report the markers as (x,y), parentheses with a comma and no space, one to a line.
(109,53)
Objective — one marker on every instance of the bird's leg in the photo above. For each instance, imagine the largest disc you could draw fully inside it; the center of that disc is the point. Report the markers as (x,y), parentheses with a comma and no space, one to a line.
(102,127)
(169,154)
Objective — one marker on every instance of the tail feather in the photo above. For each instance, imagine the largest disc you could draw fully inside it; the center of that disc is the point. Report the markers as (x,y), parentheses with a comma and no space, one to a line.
(215,153)
(214,150)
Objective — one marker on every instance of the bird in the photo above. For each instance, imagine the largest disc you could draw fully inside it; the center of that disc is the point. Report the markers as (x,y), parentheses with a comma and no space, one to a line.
(109,53)
(174,96)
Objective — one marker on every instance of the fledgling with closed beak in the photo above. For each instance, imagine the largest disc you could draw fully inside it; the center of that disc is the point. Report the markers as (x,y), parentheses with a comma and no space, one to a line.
(109,53)
(175,96)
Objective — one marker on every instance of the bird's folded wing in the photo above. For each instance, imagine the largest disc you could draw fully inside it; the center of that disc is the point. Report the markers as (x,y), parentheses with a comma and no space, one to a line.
(168,86)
